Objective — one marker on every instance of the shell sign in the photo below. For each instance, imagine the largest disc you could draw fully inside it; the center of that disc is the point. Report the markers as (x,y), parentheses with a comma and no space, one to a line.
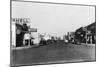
(21,21)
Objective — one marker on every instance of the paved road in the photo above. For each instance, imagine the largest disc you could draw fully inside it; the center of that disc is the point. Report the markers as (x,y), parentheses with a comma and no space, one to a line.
(53,53)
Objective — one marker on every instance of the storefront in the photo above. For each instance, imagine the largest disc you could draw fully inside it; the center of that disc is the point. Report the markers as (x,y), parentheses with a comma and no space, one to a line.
(19,28)
(86,34)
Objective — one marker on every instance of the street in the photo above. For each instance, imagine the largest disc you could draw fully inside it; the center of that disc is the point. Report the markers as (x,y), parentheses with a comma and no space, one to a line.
(53,53)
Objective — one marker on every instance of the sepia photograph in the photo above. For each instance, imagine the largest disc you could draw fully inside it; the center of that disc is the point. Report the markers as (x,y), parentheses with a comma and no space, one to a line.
(52,33)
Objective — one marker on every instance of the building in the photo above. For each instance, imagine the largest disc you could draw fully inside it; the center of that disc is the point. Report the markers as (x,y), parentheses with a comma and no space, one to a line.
(19,29)
(86,34)
(92,34)
(71,37)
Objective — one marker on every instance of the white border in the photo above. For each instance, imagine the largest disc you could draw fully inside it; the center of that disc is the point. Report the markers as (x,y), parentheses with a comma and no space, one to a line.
(5,33)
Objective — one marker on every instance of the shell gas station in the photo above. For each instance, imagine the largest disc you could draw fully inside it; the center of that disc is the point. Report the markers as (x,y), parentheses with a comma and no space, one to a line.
(21,32)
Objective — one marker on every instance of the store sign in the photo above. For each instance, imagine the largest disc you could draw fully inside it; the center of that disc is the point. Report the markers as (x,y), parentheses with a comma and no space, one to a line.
(88,32)
(20,20)
(33,29)
(84,29)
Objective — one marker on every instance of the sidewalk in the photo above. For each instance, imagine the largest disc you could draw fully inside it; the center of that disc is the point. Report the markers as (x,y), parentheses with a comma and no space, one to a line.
(19,48)
(88,44)
(91,44)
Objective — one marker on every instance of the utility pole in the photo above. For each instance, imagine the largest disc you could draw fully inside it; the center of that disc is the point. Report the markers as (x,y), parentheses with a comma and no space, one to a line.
(86,34)
(91,39)
(85,29)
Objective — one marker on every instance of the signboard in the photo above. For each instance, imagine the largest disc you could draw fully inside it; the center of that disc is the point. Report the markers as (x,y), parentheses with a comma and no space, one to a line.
(20,20)
(84,28)
(88,32)
(33,29)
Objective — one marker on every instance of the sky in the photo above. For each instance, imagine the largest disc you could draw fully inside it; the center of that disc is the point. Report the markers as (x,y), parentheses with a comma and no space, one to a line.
(54,19)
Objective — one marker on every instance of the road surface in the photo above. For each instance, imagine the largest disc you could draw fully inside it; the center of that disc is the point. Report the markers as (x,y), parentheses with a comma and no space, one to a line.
(53,53)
